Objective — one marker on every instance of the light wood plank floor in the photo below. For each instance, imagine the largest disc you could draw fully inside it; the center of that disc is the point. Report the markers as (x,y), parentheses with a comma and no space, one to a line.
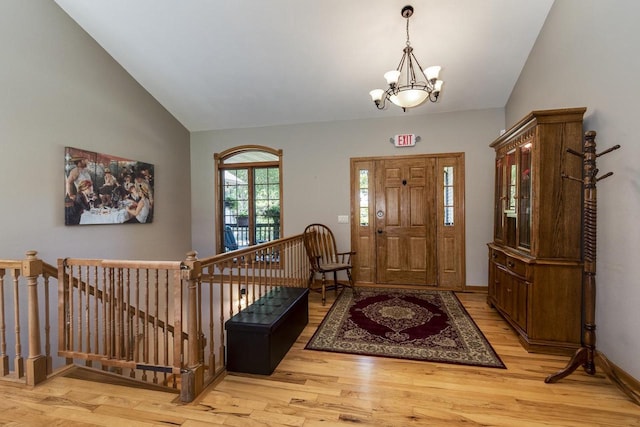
(311,388)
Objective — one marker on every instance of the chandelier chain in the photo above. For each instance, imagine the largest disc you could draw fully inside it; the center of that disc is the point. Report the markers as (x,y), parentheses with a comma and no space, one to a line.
(408,42)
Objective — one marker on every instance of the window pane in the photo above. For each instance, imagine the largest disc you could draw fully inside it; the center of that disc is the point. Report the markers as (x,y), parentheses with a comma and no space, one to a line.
(251,157)
(267,204)
(448,215)
(364,198)
(448,176)
(236,208)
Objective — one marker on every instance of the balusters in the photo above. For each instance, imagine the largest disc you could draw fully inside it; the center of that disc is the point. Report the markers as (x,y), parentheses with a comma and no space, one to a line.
(4,358)
(18,360)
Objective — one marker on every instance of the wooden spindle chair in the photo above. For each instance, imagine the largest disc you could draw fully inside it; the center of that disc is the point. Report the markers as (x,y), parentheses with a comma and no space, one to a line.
(324,257)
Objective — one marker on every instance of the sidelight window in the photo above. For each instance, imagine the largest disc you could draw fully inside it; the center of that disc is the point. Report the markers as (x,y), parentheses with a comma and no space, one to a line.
(364,197)
(448,196)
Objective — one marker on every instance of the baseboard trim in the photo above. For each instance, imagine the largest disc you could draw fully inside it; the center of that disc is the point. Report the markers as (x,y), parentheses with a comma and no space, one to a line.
(476,289)
(621,379)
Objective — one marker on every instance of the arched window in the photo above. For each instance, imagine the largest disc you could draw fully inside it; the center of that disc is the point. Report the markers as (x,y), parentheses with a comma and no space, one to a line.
(248,196)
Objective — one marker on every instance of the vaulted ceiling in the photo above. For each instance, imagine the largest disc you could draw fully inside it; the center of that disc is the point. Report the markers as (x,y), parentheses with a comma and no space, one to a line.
(221,64)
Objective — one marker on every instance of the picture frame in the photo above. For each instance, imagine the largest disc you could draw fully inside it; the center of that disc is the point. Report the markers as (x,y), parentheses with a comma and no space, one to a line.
(106,189)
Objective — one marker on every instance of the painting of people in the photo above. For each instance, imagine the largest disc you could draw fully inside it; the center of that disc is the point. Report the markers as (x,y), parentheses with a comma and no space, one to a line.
(105,189)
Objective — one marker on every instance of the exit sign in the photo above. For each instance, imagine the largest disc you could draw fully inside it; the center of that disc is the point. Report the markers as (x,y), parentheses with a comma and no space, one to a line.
(404,140)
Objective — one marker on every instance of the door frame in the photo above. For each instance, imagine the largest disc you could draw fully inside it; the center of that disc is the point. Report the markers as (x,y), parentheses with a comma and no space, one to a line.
(451,258)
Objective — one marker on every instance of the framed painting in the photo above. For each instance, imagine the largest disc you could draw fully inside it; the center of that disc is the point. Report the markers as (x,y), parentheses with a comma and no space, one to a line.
(105,189)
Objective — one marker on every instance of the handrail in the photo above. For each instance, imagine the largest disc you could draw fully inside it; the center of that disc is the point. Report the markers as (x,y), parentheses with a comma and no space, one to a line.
(248,250)
(49,270)
(8,264)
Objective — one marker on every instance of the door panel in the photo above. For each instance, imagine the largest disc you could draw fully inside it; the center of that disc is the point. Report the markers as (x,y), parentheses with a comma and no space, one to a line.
(393,254)
(392,206)
(418,260)
(448,254)
(405,244)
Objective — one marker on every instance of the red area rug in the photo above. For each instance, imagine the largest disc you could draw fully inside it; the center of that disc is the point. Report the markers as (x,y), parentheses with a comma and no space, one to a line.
(405,324)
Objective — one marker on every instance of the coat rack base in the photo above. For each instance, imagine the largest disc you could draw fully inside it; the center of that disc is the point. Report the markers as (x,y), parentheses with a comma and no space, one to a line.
(589,359)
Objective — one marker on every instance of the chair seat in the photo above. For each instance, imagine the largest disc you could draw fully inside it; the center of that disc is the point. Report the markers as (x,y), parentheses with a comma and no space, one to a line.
(334,266)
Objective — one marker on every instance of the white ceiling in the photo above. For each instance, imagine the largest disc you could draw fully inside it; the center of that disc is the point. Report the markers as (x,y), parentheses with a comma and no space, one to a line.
(220,64)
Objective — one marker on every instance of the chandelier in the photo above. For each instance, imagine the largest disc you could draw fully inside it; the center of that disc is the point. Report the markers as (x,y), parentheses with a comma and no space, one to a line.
(409,85)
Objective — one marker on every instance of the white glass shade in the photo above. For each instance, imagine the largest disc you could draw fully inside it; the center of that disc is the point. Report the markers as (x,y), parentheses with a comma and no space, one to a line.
(437,87)
(392,77)
(376,94)
(409,98)
(432,72)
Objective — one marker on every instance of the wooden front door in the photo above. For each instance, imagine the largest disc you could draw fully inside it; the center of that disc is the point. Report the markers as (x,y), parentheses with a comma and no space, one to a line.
(405,219)
(408,220)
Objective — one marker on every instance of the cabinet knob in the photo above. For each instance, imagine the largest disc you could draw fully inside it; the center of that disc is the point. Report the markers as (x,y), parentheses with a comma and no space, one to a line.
(494,255)
(510,263)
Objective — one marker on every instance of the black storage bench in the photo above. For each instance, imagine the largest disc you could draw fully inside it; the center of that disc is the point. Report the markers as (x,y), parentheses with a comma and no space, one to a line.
(260,335)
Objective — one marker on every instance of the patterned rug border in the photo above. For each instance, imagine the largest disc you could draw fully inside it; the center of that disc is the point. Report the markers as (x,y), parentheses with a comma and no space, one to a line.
(339,303)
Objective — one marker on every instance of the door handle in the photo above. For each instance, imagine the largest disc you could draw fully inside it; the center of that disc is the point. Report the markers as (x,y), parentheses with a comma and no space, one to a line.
(379,231)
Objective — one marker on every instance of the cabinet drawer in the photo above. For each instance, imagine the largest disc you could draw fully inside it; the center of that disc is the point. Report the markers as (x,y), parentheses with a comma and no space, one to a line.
(517,266)
(498,257)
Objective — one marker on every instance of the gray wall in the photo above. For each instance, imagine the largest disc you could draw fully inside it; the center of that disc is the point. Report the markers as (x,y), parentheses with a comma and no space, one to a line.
(316,170)
(59,88)
(586,55)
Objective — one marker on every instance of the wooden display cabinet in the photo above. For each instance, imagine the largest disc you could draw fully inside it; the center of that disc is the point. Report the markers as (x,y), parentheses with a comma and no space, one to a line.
(535,259)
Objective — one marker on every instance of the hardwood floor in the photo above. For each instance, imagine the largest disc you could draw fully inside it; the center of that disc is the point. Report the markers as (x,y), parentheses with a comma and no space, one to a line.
(311,388)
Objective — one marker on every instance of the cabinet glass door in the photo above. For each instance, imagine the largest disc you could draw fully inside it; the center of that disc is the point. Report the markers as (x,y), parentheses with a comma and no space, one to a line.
(509,217)
(498,232)
(524,197)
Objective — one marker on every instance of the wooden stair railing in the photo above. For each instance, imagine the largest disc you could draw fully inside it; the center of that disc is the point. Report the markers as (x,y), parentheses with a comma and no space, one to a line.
(235,279)
(160,322)
(116,314)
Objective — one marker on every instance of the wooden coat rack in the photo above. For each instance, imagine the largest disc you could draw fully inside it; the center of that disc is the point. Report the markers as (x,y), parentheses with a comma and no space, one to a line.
(587,356)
